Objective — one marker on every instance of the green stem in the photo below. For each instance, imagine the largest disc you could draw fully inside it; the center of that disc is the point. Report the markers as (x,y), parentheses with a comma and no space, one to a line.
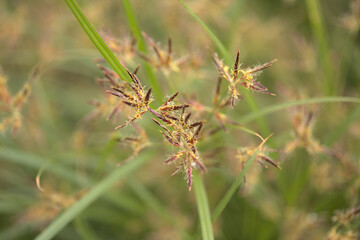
(318,29)
(97,40)
(274,108)
(203,208)
(235,185)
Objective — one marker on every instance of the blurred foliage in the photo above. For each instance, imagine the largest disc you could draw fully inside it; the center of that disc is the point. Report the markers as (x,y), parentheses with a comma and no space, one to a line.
(316,193)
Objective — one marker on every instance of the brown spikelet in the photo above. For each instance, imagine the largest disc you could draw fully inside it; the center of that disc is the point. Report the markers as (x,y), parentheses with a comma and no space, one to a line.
(147,96)
(217,91)
(169,52)
(269,160)
(170,99)
(262,67)
(164,119)
(174,157)
(174,107)
(170,140)
(195,124)
(236,65)
(153,45)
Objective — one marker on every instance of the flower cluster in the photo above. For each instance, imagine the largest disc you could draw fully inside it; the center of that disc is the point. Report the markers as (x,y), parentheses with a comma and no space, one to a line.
(238,76)
(133,95)
(174,119)
(182,133)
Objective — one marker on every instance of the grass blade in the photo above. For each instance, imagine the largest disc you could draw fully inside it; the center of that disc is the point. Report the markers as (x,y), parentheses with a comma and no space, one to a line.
(274,108)
(95,192)
(216,40)
(228,195)
(31,161)
(203,208)
(149,199)
(318,29)
(97,40)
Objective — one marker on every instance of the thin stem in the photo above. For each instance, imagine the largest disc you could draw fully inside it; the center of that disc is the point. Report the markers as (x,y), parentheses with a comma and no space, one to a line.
(203,208)
(235,185)
(318,29)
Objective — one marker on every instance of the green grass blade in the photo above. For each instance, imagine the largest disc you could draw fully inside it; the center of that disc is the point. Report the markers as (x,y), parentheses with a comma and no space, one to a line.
(97,40)
(228,195)
(318,29)
(142,47)
(203,208)
(35,162)
(149,199)
(274,108)
(216,40)
(95,192)
(84,230)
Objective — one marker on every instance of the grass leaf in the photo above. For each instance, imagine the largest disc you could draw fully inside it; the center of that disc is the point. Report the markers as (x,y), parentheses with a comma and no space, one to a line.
(97,40)
(94,193)
(203,207)
(228,195)
(277,107)
(216,40)
(318,29)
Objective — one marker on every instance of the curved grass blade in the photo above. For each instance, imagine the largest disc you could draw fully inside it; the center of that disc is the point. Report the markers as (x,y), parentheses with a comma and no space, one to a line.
(34,162)
(274,108)
(95,192)
(203,208)
(228,195)
(97,40)
(216,40)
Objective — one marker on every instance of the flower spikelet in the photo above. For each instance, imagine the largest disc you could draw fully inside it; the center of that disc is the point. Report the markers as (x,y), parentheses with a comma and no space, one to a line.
(182,133)
(239,76)
(133,95)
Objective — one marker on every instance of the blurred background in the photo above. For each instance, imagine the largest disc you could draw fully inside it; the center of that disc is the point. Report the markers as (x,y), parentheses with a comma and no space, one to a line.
(57,121)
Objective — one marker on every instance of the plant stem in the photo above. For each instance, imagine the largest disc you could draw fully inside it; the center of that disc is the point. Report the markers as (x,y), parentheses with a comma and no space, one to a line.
(318,29)
(203,208)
